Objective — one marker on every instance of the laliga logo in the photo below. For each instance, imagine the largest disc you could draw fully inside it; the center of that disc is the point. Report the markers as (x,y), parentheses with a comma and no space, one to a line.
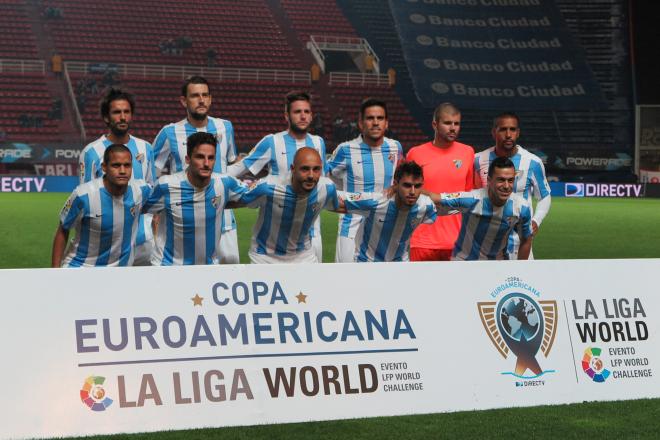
(593,365)
(520,325)
(93,395)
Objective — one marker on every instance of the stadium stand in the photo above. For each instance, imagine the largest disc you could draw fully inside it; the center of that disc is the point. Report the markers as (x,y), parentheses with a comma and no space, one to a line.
(25,108)
(317,18)
(170,32)
(17,40)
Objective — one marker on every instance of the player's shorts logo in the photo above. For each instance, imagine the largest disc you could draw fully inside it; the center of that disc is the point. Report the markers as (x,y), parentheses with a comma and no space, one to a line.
(518,324)
(93,395)
(593,365)
(574,189)
(354,196)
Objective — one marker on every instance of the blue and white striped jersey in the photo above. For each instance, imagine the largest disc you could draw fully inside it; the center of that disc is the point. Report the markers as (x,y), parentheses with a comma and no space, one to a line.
(385,231)
(485,228)
(170,149)
(358,168)
(275,152)
(106,226)
(285,217)
(530,182)
(530,172)
(91,159)
(190,219)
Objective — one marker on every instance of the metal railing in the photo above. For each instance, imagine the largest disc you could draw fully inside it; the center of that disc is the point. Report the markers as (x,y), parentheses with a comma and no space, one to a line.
(361,79)
(22,66)
(74,103)
(182,72)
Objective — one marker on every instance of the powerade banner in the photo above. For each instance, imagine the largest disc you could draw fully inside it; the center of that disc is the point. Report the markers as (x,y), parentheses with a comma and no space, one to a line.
(494,54)
(64,184)
(108,350)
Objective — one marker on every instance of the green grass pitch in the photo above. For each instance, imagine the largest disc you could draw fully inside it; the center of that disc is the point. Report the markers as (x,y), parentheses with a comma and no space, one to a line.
(575,228)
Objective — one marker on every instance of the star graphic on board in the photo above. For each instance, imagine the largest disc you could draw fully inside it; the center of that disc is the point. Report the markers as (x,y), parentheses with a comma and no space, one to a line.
(197,300)
(302,298)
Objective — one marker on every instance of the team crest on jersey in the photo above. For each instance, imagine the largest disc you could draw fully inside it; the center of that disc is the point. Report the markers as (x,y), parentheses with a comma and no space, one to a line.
(519,173)
(391,157)
(457,163)
(134,210)
(140,157)
(316,207)
(451,195)
(415,222)
(253,184)
(218,137)
(215,201)
(353,197)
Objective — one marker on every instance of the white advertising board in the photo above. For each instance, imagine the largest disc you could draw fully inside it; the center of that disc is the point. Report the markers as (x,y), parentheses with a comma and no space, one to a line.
(146,349)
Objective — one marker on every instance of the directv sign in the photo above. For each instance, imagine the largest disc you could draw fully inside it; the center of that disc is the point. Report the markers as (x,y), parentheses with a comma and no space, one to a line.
(603,190)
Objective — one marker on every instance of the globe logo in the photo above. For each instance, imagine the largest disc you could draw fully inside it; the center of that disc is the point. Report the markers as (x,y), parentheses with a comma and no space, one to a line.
(520,318)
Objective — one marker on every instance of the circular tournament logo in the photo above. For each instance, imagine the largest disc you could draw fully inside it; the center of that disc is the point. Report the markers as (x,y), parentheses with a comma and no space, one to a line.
(93,394)
(594,366)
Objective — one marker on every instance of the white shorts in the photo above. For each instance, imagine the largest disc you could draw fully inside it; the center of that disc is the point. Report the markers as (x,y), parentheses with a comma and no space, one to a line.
(228,253)
(345,251)
(306,256)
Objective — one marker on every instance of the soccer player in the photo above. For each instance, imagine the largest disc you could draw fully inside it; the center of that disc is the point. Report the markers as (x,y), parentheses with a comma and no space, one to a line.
(275,152)
(364,164)
(530,176)
(170,149)
(490,215)
(104,213)
(117,110)
(389,221)
(288,207)
(190,205)
(447,166)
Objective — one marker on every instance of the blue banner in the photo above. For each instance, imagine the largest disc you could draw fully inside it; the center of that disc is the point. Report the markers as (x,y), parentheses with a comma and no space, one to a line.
(500,54)
(64,184)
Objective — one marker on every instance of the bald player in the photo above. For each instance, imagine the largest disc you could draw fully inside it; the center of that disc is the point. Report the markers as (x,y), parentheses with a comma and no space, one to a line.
(289,204)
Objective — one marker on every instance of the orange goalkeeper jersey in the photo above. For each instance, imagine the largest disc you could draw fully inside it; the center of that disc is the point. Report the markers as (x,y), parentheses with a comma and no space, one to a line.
(446,170)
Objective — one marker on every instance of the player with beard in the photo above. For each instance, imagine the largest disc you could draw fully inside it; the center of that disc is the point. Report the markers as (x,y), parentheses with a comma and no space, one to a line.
(170,149)
(490,216)
(530,173)
(117,110)
(364,164)
(447,166)
(289,205)
(190,206)
(275,152)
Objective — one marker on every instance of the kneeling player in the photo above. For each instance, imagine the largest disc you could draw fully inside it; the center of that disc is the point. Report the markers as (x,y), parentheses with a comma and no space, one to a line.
(104,213)
(490,215)
(390,219)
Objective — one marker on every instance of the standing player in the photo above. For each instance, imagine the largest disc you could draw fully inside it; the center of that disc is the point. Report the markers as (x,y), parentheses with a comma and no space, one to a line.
(389,221)
(490,216)
(275,152)
(170,149)
(104,213)
(288,207)
(190,205)
(117,110)
(530,176)
(447,166)
(364,164)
